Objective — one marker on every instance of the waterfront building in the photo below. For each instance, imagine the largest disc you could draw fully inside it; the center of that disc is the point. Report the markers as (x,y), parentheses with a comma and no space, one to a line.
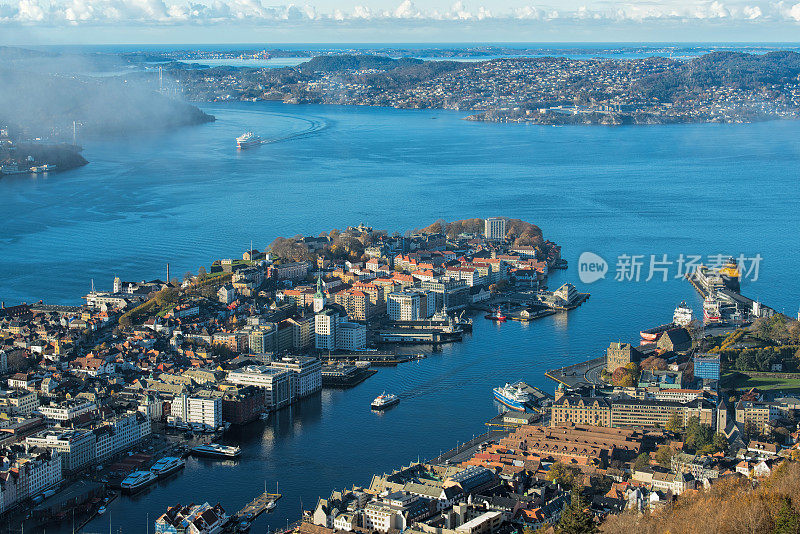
(306,374)
(351,336)
(76,447)
(573,409)
(119,434)
(707,366)
(242,405)
(495,228)
(405,306)
(452,295)
(333,331)
(677,340)
(204,408)
(276,383)
(192,519)
(39,470)
(621,354)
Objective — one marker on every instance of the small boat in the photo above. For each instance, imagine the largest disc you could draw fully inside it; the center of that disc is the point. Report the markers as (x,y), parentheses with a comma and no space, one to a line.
(497,316)
(101,510)
(167,465)
(265,416)
(270,506)
(215,450)
(384,401)
(247,140)
(513,396)
(138,480)
(243,526)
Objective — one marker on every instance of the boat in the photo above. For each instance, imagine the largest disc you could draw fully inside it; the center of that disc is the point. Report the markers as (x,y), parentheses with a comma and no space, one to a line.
(384,401)
(264,416)
(683,314)
(243,526)
(101,510)
(513,396)
(38,169)
(652,334)
(167,465)
(215,450)
(497,316)
(138,480)
(711,310)
(248,140)
(270,506)
(731,274)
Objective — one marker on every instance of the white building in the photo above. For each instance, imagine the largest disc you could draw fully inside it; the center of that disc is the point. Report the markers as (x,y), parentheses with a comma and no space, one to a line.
(77,447)
(19,402)
(351,336)
(306,374)
(67,410)
(38,472)
(325,323)
(226,294)
(196,410)
(276,382)
(120,434)
(404,306)
(495,228)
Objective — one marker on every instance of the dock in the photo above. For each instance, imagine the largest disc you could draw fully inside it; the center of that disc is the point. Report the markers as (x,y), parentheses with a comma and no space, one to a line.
(255,508)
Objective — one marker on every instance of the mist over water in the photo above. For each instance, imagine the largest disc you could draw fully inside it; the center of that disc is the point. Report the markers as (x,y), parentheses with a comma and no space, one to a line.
(188,197)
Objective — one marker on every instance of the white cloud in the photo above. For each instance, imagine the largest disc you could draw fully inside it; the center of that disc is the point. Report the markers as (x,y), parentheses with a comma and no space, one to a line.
(254,11)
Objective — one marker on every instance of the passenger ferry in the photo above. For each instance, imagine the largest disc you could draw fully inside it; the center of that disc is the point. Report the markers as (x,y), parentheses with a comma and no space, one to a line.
(215,450)
(384,401)
(138,480)
(513,396)
(167,465)
(248,140)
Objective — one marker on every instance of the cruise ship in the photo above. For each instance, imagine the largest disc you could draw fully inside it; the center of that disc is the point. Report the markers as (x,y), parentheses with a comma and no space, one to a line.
(513,396)
(167,465)
(681,317)
(138,480)
(248,140)
(215,450)
(384,401)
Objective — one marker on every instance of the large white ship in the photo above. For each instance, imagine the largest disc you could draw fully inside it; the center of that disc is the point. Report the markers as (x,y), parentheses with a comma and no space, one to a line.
(248,140)
(513,396)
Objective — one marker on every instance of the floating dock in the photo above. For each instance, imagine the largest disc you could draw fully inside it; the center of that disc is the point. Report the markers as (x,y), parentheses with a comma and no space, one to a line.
(255,508)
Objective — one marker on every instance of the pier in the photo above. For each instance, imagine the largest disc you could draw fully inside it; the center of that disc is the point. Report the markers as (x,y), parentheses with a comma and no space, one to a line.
(255,508)
(577,374)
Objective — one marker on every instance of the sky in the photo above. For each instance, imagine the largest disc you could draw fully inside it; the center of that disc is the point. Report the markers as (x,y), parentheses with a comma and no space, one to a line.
(396,21)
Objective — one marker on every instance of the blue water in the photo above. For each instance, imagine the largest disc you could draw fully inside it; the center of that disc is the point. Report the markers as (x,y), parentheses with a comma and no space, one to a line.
(187,197)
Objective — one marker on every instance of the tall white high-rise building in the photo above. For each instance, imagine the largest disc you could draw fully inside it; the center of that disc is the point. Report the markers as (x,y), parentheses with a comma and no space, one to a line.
(495,228)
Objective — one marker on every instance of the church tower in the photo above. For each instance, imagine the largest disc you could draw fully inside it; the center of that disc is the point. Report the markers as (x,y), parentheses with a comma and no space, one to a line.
(319,297)
(117,285)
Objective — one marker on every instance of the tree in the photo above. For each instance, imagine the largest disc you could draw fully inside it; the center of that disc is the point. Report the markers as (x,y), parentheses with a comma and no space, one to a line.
(664,455)
(124,321)
(566,476)
(642,462)
(675,422)
(201,273)
(788,520)
(576,517)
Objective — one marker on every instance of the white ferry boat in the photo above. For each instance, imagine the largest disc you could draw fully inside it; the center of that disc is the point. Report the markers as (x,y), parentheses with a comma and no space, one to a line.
(138,480)
(384,401)
(513,396)
(248,140)
(683,314)
(167,465)
(215,450)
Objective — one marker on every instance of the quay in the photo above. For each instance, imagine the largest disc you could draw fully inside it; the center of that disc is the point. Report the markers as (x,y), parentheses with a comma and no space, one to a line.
(431,336)
(374,358)
(464,451)
(254,508)
(577,374)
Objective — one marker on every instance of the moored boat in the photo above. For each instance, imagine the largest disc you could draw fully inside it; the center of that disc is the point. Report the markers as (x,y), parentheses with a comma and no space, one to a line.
(512,396)
(167,465)
(497,316)
(215,450)
(138,480)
